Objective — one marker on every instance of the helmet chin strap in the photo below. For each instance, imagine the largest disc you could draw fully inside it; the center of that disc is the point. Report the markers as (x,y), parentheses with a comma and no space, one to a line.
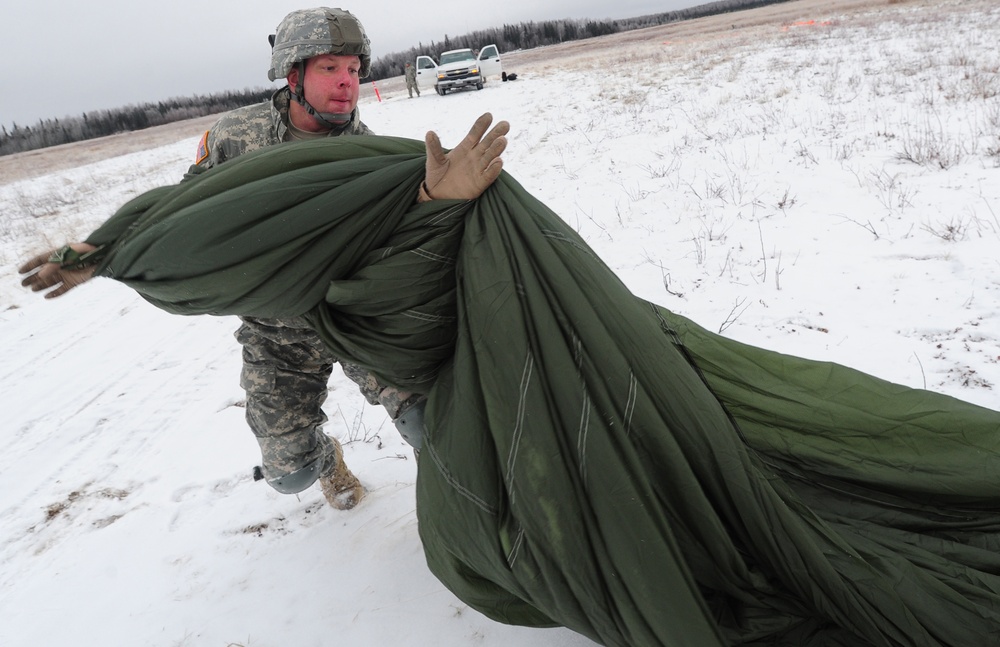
(328,119)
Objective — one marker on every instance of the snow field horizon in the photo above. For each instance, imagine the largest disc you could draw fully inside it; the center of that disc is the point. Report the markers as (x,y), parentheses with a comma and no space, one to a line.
(828,189)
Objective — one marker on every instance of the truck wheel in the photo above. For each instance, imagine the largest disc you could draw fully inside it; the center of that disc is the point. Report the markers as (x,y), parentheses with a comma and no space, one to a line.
(440,91)
(479,86)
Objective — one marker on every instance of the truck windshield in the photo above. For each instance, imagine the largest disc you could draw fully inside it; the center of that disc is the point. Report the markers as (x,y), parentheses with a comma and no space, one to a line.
(454,57)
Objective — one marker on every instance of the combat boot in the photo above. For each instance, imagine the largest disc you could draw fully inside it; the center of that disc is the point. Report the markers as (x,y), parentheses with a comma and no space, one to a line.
(341,488)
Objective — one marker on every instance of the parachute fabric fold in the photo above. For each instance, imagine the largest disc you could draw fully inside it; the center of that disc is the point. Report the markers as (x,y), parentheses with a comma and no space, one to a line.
(593,460)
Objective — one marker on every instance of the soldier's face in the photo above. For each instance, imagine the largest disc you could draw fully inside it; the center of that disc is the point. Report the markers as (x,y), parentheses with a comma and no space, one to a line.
(331,83)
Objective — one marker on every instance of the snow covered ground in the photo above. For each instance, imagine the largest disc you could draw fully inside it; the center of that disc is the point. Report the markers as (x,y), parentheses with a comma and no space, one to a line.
(830,189)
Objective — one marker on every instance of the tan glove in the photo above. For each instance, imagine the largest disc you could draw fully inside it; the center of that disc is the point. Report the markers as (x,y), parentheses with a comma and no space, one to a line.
(46,271)
(467,170)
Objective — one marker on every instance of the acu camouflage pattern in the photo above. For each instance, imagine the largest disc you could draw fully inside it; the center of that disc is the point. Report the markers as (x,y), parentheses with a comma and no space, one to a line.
(263,124)
(286,367)
(411,80)
(306,33)
(285,374)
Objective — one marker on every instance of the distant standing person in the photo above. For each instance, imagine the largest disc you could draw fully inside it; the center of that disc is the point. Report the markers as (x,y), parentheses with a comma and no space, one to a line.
(411,80)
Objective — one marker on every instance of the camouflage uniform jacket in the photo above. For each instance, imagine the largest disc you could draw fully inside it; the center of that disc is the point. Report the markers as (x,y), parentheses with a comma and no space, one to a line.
(252,127)
(286,367)
(411,76)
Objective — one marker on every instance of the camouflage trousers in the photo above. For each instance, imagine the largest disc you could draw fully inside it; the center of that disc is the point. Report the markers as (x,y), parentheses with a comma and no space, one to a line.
(286,370)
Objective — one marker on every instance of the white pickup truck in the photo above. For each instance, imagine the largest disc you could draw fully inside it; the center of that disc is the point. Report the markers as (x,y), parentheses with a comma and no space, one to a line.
(459,68)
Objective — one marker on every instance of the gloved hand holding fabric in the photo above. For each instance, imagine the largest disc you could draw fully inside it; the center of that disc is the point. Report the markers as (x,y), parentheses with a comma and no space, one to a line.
(60,269)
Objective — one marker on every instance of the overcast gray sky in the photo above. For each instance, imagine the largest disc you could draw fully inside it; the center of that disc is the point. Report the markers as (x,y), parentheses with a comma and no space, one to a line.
(66,58)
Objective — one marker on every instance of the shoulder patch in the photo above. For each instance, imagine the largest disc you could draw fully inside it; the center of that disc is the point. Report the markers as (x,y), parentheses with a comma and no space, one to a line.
(202,153)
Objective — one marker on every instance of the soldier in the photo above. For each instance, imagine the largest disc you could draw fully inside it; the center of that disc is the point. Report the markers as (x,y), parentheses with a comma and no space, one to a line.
(322,53)
(411,80)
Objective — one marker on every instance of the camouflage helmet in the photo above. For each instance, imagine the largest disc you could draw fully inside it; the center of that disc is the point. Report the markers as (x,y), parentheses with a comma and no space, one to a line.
(306,33)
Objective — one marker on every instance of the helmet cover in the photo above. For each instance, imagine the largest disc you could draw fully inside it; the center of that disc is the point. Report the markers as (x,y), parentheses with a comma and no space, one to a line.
(306,33)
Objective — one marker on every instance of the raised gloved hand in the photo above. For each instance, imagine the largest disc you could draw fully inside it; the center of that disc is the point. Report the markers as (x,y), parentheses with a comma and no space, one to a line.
(63,268)
(464,172)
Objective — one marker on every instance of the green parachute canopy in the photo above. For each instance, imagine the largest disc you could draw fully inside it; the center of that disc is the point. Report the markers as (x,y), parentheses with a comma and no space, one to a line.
(593,460)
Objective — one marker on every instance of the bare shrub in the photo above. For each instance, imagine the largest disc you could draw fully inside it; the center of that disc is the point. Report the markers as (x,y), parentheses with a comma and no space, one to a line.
(952,231)
(984,85)
(930,146)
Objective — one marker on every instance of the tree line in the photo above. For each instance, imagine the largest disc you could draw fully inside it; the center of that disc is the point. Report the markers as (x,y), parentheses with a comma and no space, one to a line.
(525,35)
(101,123)
(528,35)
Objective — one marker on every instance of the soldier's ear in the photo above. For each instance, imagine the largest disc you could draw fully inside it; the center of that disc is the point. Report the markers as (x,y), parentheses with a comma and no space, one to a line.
(293,77)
